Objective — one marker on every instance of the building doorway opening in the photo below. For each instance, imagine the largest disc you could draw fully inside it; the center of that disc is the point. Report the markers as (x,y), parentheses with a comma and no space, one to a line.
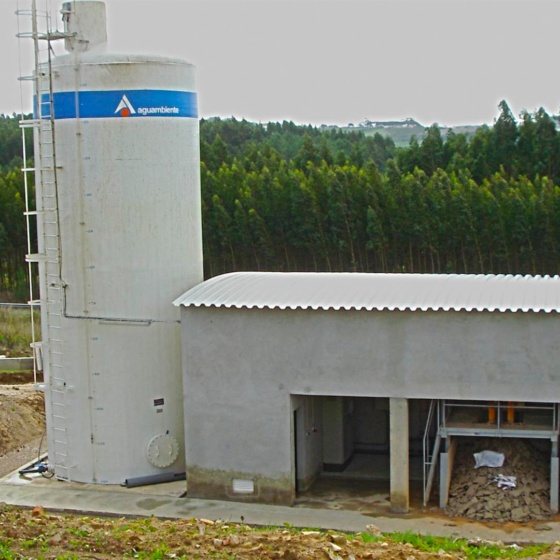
(342,451)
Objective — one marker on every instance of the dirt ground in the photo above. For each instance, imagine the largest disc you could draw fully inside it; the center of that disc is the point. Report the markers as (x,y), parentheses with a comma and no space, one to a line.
(40,534)
(22,422)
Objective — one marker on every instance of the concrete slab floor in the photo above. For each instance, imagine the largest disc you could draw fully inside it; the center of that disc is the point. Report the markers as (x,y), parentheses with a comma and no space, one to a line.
(370,497)
(169,489)
(162,501)
(369,466)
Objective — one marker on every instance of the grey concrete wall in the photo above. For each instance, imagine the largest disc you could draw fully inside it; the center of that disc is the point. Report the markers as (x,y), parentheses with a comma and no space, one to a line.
(488,356)
(241,366)
(371,425)
(338,436)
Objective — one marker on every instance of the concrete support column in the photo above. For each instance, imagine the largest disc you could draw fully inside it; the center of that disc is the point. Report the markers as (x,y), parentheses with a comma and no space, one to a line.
(554,474)
(446,461)
(398,425)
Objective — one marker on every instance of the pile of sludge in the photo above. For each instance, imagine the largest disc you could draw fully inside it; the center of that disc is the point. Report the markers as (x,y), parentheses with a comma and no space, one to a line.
(474,493)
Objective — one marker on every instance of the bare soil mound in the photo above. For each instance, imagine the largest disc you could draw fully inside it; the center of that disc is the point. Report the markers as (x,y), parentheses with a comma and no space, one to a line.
(22,416)
(19,377)
(475,494)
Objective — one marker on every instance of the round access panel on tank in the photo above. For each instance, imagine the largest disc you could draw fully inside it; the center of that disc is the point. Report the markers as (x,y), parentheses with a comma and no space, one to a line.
(163,450)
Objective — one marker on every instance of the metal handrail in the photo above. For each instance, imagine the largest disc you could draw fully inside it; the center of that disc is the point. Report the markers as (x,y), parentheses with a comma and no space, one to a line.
(501,407)
(497,404)
(426,446)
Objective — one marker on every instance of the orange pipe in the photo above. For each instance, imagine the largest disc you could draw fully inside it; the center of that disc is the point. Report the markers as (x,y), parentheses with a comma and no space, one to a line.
(492,415)
(510,413)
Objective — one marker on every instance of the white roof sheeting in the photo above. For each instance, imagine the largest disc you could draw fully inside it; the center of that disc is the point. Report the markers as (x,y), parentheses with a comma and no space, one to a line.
(309,290)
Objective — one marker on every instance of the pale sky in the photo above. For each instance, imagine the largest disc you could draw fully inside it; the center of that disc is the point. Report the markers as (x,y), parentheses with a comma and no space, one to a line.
(337,61)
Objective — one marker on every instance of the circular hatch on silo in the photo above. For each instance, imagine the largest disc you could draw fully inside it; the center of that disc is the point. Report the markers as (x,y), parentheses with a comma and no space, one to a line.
(163,450)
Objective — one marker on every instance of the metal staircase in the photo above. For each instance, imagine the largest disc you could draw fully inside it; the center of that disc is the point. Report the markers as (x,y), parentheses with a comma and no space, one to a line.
(49,352)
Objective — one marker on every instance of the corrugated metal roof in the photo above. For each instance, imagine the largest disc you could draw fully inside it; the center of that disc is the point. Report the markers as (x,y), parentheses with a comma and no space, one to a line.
(307,290)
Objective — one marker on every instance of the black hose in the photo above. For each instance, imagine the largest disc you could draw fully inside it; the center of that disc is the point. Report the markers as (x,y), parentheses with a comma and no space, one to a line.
(46,470)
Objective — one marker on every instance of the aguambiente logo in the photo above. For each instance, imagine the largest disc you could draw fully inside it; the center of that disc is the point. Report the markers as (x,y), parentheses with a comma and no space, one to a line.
(125,109)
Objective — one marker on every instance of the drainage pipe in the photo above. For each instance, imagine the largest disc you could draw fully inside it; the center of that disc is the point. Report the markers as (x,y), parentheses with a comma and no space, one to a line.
(154,479)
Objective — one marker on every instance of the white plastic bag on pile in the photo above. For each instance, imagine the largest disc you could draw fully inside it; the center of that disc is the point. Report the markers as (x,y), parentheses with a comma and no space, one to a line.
(488,459)
(506,481)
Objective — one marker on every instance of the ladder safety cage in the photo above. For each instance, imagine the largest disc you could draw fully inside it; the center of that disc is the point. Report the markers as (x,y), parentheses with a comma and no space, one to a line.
(49,353)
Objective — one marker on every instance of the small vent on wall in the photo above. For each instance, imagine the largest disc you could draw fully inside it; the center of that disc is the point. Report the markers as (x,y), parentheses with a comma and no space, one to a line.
(243,486)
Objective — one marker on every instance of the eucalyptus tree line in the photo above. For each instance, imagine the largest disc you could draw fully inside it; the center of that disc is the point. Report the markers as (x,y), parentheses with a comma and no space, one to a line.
(488,204)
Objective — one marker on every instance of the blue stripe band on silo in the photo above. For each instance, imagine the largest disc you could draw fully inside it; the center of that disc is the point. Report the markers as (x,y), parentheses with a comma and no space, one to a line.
(136,103)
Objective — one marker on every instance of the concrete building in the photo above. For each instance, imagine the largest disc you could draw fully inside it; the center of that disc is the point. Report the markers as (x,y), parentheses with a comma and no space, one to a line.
(289,375)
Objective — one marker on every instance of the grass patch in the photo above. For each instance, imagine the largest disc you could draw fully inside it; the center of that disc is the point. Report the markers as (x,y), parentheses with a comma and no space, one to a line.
(5,546)
(428,543)
(15,332)
(423,543)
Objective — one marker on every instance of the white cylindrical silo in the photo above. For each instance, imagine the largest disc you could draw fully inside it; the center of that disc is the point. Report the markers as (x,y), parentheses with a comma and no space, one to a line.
(129,232)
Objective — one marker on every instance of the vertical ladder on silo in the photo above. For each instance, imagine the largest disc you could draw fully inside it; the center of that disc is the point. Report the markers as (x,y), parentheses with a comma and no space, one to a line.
(51,350)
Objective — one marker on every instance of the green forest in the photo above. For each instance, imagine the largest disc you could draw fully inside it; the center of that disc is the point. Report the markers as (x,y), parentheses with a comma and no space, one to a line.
(283,197)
